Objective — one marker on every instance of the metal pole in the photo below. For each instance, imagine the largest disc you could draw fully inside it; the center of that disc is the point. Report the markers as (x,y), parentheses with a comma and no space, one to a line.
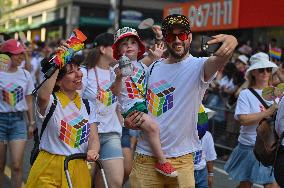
(120,5)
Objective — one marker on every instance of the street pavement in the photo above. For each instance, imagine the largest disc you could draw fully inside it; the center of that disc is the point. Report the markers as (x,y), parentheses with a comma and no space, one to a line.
(221,179)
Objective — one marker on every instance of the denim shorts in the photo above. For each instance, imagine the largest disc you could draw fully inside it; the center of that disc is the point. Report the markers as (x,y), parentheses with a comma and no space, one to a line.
(12,126)
(125,138)
(110,146)
(201,180)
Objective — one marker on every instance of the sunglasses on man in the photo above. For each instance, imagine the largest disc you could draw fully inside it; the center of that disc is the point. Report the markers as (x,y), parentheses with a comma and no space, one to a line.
(170,37)
(269,70)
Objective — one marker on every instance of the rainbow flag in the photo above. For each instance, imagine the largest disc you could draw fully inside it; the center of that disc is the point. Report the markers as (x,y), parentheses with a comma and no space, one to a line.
(76,43)
(275,53)
(202,123)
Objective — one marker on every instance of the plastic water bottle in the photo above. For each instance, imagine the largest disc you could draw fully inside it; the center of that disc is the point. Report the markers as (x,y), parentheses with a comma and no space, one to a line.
(125,65)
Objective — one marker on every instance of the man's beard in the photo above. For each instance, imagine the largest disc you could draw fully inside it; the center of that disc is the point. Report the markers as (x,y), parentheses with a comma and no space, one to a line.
(178,56)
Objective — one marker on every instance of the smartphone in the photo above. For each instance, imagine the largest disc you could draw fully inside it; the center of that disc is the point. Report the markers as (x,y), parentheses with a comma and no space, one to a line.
(209,48)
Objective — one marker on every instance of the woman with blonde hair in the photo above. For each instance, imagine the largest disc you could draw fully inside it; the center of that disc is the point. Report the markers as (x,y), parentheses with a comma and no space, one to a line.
(242,165)
(103,108)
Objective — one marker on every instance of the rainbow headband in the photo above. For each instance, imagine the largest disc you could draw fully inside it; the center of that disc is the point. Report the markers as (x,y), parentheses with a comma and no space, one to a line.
(76,43)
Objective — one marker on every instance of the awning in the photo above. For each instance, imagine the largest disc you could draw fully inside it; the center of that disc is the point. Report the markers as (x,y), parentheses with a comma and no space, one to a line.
(94,21)
(36,25)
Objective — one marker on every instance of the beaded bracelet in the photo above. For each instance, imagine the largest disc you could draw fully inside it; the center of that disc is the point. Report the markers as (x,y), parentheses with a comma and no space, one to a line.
(210,173)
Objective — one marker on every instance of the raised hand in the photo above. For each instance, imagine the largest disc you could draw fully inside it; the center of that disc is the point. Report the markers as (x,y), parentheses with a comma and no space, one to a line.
(157,51)
(157,31)
(228,46)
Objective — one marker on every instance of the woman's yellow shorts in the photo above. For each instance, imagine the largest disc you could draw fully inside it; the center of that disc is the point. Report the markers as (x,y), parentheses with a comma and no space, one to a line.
(48,172)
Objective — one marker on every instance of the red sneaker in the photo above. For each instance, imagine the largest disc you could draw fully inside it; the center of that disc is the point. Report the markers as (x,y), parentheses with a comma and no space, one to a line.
(166,169)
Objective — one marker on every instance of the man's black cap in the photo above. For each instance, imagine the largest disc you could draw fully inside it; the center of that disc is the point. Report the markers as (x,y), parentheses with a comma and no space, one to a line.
(175,19)
(104,39)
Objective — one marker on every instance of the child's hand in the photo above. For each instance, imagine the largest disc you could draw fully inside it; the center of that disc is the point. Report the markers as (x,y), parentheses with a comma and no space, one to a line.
(92,155)
(157,31)
(118,73)
(157,52)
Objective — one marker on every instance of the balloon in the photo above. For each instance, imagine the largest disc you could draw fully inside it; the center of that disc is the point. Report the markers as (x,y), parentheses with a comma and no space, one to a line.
(279,89)
(268,93)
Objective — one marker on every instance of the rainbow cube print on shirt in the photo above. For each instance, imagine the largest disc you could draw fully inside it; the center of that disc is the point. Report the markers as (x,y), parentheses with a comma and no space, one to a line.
(12,94)
(138,84)
(160,98)
(105,96)
(74,130)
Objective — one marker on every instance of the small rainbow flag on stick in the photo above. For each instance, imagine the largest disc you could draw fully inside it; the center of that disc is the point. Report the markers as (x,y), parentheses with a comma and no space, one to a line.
(76,43)
(275,53)
(5,61)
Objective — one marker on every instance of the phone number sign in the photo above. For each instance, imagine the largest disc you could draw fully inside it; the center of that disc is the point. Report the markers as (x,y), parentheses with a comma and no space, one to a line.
(208,15)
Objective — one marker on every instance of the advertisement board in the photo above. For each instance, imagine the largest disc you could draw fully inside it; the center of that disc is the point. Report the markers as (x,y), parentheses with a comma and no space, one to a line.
(208,14)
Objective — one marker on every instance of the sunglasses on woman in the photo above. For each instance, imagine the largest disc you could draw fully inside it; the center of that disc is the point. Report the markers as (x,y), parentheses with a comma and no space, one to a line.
(170,37)
(265,69)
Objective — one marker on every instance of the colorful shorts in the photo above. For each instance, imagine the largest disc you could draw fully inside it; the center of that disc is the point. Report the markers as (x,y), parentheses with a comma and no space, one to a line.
(138,106)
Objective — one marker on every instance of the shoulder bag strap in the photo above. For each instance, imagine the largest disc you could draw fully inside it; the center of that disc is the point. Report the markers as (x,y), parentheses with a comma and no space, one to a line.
(259,98)
(48,116)
(97,79)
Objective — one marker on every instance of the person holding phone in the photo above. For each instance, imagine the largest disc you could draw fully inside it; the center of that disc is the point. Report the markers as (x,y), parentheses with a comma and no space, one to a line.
(176,87)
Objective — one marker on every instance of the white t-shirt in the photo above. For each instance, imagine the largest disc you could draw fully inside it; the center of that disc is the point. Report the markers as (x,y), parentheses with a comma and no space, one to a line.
(227,83)
(248,104)
(67,131)
(207,153)
(35,62)
(14,87)
(103,104)
(174,97)
(131,89)
(279,123)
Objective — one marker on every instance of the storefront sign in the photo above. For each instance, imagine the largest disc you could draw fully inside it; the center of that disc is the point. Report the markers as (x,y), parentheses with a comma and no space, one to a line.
(131,16)
(208,14)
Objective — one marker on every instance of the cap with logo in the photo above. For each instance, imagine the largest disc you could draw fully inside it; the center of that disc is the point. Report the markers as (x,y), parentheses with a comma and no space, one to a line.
(12,46)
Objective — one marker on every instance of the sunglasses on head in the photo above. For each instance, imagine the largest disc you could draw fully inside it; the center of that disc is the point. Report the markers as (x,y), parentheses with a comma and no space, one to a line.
(170,37)
(265,69)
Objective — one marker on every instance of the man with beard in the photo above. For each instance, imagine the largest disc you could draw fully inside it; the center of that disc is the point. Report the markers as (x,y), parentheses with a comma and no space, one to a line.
(176,86)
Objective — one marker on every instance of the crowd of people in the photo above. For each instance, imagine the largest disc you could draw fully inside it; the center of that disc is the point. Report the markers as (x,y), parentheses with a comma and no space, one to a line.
(147,126)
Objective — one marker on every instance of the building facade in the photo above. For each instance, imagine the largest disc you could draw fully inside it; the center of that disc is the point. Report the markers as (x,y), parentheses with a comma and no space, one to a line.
(49,19)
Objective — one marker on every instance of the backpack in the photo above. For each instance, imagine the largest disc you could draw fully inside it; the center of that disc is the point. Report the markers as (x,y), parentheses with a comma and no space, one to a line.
(267,141)
(35,150)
